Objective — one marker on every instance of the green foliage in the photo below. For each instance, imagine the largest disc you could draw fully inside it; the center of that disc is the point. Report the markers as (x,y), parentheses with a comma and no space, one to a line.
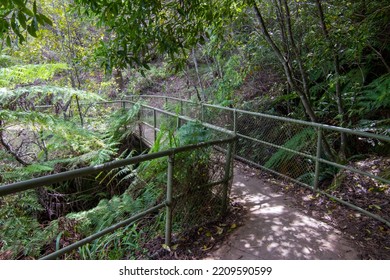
(193,133)
(18,16)
(283,160)
(20,231)
(193,169)
(234,74)
(375,96)
(7,61)
(64,141)
(25,173)
(125,241)
(44,95)
(120,121)
(142,81)
(26,74)
(70,146)
(170,28)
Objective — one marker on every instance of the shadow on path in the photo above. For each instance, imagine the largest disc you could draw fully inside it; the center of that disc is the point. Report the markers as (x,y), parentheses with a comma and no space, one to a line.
(274,230)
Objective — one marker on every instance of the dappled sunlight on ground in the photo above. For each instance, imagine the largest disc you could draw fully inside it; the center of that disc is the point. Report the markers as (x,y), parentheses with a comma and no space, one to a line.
(275,230)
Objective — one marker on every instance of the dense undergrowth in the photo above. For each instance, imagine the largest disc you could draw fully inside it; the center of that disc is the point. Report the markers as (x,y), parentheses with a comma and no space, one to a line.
(48,129)
(40,221)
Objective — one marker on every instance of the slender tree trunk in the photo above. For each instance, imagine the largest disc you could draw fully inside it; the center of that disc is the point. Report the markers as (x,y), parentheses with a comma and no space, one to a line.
(197,74)
(303,91)
(380,57)
(219,67)
(287,68)
(118,76)
(70,55)
(336,66)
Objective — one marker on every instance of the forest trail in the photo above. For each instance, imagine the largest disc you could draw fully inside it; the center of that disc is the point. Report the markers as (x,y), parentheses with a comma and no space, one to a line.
(274,230)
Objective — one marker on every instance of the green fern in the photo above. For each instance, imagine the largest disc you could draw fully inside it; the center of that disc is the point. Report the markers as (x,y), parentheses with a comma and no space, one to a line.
(8,61)
(27,172)
(25,74)
(375,96)
(20,230)
(301,141)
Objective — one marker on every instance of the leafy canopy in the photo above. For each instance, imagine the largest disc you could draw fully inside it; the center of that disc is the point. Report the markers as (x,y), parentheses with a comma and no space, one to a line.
(139,30)
(18,16)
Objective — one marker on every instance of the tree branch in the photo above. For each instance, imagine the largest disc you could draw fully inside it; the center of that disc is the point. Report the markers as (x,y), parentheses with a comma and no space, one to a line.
(9,149)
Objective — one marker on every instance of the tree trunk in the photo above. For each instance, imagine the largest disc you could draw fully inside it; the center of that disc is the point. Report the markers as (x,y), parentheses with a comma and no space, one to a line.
(336,66)
(118,76)
(197,74)
(303,91)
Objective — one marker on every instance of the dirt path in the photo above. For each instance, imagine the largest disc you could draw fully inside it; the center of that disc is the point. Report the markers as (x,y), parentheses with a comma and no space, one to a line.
(274,229)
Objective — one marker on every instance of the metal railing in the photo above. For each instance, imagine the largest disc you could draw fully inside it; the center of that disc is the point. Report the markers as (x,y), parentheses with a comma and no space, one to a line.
(228,139)
(290,148)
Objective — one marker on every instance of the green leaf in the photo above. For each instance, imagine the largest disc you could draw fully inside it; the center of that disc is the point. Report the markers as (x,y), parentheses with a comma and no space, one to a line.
(58,239)
(31,30)
(374,206)
(166,247)
(35,7)
(14,25)
(20,3)
(8,41)
(22,20)
(27,11)
(46,19)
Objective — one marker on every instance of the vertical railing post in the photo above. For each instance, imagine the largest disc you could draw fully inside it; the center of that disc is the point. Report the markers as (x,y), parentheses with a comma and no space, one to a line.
(318,155)
(166,103)
(123,105)
(154,125)
(227,177)
(168,202)
(235,121)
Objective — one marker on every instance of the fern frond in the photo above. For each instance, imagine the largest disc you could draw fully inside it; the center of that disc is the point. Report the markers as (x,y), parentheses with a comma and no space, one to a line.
(299,142)
(25,74)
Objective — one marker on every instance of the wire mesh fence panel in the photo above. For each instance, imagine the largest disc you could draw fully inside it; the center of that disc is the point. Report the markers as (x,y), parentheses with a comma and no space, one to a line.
(218,117)
(253,151)
(364,178)
(192,110)
(164,120)
(198,187)
(272,143)
(278,132)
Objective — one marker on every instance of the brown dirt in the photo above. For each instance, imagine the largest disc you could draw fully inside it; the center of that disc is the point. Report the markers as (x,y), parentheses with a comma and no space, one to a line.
(196,243)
